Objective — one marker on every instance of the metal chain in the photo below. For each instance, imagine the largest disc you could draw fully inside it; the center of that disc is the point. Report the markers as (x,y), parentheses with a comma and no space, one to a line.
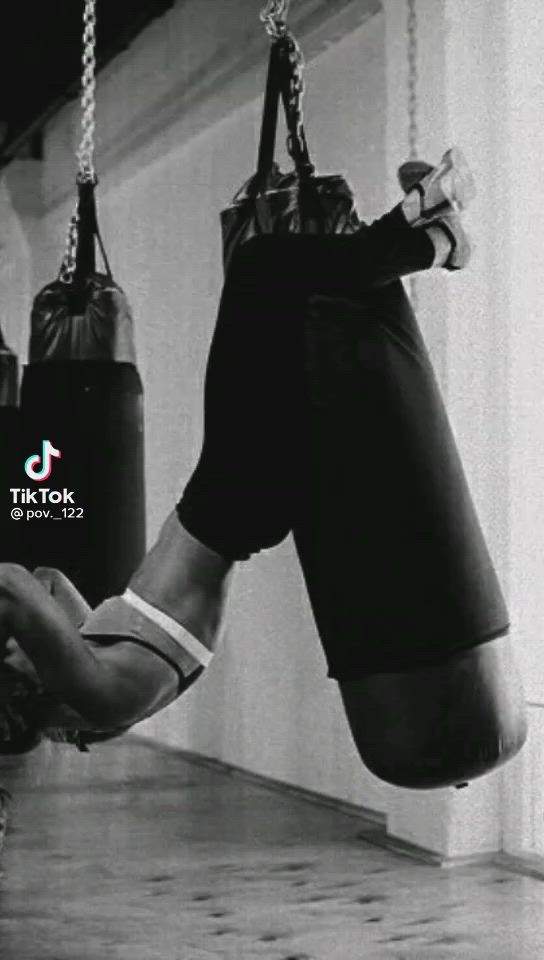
(68,266)
(85,153)
(413,113)
(274,16)
(413,79)
(296,141)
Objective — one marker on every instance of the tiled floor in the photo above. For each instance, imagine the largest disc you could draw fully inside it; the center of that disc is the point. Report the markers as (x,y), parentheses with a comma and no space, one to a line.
(133,853)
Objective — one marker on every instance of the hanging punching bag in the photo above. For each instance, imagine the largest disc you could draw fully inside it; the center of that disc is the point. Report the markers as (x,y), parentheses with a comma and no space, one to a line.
(401,583)
(10,456)
(82,396)
(405,597)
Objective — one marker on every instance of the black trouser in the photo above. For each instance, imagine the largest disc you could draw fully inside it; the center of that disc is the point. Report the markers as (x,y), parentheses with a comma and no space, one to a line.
(243,494)
(323,416)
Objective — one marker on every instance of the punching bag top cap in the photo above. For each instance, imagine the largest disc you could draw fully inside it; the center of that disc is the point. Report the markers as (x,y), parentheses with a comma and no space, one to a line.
(84,314)
(91,320)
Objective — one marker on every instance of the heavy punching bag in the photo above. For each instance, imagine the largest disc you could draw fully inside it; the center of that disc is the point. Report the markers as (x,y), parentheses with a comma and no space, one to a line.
(10,454)
(82,395)
(405,597)
(401,583)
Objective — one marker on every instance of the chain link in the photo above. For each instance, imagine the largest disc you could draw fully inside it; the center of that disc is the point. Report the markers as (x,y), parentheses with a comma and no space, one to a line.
(85,153)
(88,95)
(68,265)
(274,16)
(413,113)
(296,141)
(413,79)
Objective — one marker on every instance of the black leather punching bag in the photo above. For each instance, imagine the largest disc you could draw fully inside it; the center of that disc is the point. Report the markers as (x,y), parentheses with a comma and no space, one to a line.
(10,453)
(82,395)
(405,596)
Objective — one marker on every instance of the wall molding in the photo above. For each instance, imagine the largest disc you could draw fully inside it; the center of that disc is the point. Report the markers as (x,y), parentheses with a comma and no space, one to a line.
(374,820)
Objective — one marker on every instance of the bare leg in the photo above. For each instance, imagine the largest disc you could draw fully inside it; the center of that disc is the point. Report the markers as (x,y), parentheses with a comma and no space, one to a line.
(185,579)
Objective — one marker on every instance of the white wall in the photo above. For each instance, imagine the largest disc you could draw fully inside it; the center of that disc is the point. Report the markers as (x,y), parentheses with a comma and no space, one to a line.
(524,199)
(464,320)
(481,86)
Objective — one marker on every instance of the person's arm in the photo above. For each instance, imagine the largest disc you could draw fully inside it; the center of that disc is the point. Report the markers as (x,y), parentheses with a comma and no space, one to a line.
(109,688)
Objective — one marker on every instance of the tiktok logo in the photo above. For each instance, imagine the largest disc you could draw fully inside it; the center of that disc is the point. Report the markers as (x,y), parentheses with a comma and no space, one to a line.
(32,469)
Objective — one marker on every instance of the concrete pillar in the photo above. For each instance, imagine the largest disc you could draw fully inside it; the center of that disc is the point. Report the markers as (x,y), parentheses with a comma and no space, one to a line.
(464,319)
(523,194)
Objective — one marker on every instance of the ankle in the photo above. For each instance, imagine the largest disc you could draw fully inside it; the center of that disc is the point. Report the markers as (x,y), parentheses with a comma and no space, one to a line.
(441,243)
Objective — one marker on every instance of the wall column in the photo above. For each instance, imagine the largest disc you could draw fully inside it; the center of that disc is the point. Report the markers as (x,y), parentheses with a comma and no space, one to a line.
(464,321)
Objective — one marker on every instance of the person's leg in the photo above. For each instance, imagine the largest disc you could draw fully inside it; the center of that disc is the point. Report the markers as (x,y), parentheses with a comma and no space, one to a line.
(240,497)
(408,239)
(173,606)
(452,244)
(433,192)
(186,580)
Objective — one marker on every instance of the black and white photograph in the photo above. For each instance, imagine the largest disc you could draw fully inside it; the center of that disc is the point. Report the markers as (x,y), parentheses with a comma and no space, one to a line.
(271,480)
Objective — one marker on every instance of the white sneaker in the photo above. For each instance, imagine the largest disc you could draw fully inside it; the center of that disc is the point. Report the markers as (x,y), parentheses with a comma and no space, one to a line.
(443,190)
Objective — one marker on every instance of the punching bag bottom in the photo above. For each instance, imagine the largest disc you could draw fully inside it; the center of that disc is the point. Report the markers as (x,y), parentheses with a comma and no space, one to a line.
(439,726)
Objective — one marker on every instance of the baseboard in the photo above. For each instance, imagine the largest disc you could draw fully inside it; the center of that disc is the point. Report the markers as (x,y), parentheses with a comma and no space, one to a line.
(373,828)
(374,820)
(423,855)
(373,824)
(528,866)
